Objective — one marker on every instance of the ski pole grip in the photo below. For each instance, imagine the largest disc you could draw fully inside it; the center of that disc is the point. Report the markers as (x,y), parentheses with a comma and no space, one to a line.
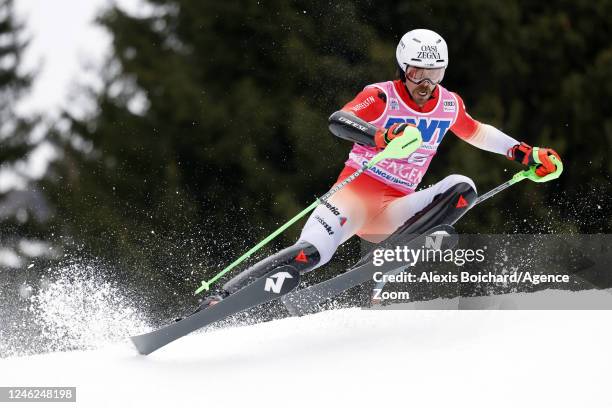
(531,173)
(400,147)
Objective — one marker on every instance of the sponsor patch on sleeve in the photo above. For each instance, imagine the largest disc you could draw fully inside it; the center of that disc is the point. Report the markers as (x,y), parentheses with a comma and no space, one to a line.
(364,104)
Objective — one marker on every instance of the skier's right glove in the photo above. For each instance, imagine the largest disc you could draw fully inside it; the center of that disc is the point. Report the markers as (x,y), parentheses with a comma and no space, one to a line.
(384,136)
(523,153)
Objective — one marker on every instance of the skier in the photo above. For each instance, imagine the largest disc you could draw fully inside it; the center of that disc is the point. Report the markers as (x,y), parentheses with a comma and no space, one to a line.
(384,200)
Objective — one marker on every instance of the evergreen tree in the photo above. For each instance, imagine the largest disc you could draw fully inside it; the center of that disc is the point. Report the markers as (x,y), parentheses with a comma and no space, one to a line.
(23,208)
(212,128)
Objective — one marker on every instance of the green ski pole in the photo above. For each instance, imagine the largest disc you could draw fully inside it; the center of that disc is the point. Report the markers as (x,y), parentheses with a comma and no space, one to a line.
(398,148)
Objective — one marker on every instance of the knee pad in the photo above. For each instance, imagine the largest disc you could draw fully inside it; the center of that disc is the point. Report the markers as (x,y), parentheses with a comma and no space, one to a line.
(453,179)
(446,207)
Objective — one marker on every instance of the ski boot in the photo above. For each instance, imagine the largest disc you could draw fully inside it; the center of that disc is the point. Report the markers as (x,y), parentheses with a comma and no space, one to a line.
(302,256)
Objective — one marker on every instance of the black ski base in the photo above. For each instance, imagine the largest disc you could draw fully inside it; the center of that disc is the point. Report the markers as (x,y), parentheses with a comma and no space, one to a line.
(308,299)
(273,285)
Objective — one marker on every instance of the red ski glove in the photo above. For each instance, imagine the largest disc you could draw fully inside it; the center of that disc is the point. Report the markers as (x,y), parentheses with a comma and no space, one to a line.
(384,136)
(529,156)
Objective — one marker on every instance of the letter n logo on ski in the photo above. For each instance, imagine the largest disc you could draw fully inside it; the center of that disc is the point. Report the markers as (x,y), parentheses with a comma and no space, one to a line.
(434,241)
(462,202)
(275,282)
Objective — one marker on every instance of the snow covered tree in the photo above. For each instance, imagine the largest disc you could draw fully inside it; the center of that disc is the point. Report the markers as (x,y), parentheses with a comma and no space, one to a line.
(23,208)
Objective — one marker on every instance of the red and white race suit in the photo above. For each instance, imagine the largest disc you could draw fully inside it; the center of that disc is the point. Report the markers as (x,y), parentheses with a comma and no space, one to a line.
(381,200)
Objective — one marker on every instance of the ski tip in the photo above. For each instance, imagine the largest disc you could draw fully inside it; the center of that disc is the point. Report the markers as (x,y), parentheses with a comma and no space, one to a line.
(140,347)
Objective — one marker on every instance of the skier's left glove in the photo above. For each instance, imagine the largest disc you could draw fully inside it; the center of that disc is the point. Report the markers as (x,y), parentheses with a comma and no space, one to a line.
(384,136)
(529,156)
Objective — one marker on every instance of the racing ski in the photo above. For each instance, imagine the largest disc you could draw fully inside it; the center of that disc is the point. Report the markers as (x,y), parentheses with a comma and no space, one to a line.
(304,301)
(273,285)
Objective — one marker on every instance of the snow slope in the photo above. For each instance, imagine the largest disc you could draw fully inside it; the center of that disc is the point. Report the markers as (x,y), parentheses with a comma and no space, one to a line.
(351,357)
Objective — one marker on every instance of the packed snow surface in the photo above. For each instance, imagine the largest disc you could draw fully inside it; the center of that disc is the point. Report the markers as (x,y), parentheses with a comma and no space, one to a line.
(351,358)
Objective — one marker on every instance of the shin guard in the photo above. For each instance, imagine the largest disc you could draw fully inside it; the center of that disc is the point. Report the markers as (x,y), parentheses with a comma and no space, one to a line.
(302,256)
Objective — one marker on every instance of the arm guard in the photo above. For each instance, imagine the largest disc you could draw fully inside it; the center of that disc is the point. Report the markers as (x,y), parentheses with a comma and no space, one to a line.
(347,126)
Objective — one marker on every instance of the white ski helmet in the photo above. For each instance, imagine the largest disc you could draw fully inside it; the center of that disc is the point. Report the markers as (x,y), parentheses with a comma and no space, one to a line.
(422,48)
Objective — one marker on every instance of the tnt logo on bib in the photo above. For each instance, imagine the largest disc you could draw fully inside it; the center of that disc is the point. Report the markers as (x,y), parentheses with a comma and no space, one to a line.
(432,130)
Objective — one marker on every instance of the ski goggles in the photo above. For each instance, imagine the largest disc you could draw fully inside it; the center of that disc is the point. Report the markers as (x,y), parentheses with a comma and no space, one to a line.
(417,75)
